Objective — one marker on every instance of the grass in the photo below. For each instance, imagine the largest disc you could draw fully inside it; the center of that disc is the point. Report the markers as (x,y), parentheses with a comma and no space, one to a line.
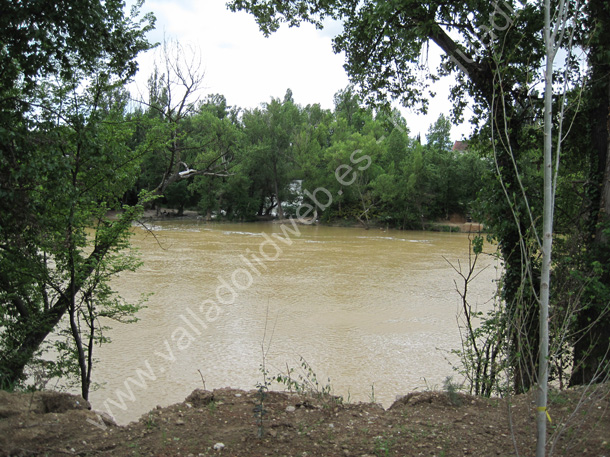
(383,445)
(452,390)
(441,228)
(372,398)
(305,381)
(136,448)
(556,397)
(150,422)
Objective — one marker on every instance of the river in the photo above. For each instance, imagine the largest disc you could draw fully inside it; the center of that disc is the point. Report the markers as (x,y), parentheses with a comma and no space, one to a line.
(375,311)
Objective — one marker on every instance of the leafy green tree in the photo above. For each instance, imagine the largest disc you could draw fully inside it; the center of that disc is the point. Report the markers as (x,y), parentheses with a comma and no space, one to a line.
(439,135)
(216,104)
(455,175)
(351,164)
(348,106)
(208,136)
(416,195)
(469,175)
(582,208)
(398,145)
(173,97)
(64,164)
(271,132)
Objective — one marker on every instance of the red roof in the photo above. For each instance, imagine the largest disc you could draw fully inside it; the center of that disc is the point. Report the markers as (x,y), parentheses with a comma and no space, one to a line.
(460,146)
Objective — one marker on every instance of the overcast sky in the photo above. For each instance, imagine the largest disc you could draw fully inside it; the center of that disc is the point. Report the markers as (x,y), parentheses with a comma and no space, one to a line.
(249,69)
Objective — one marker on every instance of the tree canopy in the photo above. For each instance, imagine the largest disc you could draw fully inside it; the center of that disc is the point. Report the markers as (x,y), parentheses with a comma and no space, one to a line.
(65,164)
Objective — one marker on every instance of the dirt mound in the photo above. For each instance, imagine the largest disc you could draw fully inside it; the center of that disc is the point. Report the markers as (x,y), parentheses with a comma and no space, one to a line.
(31,422)
(237,423)
(20,403)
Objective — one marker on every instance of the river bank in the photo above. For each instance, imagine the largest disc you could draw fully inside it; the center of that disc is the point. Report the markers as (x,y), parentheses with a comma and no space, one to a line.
(227,422)
(453,224)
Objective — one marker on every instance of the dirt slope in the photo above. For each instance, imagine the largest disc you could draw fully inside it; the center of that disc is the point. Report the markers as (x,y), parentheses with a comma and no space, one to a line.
(226,422)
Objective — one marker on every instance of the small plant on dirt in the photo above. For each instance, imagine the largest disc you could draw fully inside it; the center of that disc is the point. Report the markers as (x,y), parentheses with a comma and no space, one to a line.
(259,410)
(150,422)
(305,382)
(202,378)
(383,445)
(136,448)
(429,387)
(263,387)
(452,390)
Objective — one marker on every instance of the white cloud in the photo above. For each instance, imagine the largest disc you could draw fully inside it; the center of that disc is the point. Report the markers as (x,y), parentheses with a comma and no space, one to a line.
(249,69)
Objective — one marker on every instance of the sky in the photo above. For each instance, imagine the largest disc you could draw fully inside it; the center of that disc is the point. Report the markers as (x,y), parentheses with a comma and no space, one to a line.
(249,69)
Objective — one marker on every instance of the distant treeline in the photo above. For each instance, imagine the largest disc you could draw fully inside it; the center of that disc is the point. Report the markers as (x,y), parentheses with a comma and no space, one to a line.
(244,165)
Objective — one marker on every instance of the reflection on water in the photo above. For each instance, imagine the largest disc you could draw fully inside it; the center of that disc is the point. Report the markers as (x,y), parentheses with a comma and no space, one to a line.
(365,308)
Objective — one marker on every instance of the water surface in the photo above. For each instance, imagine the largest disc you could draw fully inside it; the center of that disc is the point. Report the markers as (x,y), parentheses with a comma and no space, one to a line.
(373,310)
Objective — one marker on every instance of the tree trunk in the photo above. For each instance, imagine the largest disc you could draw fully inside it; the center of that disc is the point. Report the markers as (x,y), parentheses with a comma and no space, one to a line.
(518,288)
(603,218)
(280,211)
(82,360)
(592,348)
(547,236)
(506,123)
(37,327)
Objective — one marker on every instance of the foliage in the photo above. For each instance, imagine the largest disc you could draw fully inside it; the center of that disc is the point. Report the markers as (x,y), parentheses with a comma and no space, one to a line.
(305,382)
(279,150)
(259,409)
(483,357)
(64,135)
(65,165)
(174,133)
(452,390)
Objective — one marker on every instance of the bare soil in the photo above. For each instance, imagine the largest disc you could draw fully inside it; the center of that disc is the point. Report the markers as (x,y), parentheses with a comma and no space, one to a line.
(226,422)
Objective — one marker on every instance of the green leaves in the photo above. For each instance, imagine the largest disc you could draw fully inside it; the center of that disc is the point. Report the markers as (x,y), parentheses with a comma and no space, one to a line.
(477,244)
(65,163)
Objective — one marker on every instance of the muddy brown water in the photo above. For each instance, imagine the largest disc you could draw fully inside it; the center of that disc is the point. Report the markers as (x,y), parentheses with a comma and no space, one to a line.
(375,311)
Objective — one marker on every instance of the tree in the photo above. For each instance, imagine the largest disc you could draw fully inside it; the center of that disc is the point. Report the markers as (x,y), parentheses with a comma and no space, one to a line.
(64,164)
(173,96)
(441,161)
(592,347)
(212,134)
(348,106)
(553,35)
(271,132)
(439,134)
